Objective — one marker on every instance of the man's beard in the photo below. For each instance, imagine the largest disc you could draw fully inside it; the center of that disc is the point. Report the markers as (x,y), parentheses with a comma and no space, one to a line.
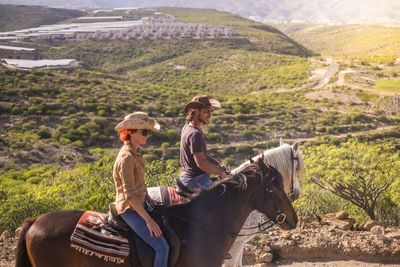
(201,120)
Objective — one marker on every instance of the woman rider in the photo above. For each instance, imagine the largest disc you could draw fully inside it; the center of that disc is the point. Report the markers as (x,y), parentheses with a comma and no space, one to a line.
(131,192)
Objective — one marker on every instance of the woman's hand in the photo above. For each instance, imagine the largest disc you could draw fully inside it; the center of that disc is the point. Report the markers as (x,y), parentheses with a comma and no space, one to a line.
(155,230)
(150,201)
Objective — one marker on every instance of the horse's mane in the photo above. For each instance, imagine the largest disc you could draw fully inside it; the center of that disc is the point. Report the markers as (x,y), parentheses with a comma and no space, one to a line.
(280,159)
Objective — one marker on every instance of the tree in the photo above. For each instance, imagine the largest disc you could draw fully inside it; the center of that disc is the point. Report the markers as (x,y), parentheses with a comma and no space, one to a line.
(356,172)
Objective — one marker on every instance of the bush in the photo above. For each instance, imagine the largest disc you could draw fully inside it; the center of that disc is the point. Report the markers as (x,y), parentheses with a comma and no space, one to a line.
(150,157)
(244,149)
(173,136)
(229,162)
(158,173)
(272,143)
(214,137)
(358,177)
(44,133)
(165,145)
(13,211)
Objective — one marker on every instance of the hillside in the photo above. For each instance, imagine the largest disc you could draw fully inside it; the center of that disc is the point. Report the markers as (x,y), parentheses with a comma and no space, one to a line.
(261,78)
(57,137)
(377,43)
(15,17)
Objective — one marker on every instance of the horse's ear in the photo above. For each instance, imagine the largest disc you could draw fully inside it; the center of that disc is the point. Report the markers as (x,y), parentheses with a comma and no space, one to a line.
(261,165)
(295,146)
(281,142)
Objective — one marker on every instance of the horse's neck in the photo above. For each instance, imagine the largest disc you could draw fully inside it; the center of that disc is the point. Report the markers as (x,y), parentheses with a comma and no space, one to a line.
(227,211)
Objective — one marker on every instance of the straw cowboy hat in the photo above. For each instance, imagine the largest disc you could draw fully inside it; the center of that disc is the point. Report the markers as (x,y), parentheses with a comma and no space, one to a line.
(137,120)
(202,102)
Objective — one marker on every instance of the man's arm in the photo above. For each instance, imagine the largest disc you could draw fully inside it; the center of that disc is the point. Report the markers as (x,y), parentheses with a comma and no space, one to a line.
(216,162)
(210,166)
(212,160)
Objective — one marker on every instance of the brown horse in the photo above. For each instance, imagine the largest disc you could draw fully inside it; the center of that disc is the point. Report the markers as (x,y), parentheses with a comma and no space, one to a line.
(206,226)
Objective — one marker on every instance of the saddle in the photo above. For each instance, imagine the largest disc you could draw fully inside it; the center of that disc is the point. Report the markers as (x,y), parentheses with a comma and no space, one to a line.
(140,248)
(181,189)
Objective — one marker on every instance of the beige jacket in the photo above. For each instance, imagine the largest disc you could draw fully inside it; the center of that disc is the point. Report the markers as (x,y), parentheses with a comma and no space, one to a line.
(128,173)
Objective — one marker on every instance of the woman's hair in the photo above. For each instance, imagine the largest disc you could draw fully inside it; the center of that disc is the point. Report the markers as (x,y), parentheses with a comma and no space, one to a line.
(190,115)
(125,135)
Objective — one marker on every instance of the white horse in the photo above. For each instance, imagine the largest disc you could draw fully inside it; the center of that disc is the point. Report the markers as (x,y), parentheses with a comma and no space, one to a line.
(289,162)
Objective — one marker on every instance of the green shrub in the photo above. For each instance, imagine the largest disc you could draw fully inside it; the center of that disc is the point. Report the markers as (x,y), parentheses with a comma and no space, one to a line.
(19,207)
(34,180)
(150,157)
(356,177)
(173,136)
(165,145)
(78,143)
(229,162)
(44,133)
(214,137)
(158,173)
(244,150)
(271,143)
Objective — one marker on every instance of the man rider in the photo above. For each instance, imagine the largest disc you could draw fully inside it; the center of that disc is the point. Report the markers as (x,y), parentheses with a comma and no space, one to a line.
(196,164)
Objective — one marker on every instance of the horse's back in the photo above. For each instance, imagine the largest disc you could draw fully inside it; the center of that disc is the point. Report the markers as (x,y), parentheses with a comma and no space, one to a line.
(48,239)
(48,242)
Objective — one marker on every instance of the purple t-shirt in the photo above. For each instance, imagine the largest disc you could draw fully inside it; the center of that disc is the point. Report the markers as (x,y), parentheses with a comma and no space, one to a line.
(192,141)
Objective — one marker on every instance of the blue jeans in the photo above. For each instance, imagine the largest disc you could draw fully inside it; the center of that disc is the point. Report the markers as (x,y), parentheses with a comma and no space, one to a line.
(160,246)
(203,180)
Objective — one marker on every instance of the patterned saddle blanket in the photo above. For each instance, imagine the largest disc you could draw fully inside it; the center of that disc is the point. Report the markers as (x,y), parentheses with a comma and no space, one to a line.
(92,235)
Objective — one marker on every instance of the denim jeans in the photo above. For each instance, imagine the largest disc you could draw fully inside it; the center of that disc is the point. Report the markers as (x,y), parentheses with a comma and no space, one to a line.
(203,180)
(160,246)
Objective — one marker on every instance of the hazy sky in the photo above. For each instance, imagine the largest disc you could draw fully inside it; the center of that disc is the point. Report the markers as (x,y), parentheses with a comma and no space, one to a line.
(341,11)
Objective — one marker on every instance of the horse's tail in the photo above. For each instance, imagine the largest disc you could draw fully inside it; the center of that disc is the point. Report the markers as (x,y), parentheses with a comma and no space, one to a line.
(21,257)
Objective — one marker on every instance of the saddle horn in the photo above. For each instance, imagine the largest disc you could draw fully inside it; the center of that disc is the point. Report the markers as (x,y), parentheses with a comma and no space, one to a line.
(251,160)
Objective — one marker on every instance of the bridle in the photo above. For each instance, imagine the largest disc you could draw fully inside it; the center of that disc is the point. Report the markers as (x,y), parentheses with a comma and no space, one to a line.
(279,219)
(292,158)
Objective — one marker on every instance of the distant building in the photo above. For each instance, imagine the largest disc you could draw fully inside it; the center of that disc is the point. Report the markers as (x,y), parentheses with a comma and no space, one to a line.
(45,63)
(14,52)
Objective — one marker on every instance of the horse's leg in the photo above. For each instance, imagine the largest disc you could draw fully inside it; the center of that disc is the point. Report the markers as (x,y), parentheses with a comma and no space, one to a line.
(238,246)
(236,252)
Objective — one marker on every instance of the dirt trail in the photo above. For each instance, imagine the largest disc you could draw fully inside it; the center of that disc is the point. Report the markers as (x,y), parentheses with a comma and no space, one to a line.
(321,263)
(330,72)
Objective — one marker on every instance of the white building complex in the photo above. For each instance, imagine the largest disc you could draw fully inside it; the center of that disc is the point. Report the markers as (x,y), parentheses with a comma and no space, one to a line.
(117,27)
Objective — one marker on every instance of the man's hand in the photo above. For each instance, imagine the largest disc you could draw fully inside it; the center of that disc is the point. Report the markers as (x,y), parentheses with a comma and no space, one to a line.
(223,168)
(224,171)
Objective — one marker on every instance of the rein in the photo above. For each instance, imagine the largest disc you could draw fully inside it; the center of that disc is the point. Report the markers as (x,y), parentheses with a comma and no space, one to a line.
(215,230)
(222,232)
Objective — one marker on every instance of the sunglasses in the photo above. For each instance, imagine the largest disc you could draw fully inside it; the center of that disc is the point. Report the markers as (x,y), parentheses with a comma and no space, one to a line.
(145,132)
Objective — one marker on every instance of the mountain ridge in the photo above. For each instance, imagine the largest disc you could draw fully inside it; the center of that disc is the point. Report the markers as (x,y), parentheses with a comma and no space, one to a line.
(317,11)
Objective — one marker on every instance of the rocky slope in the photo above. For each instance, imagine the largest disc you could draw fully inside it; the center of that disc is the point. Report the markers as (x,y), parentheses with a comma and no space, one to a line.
(331,241)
